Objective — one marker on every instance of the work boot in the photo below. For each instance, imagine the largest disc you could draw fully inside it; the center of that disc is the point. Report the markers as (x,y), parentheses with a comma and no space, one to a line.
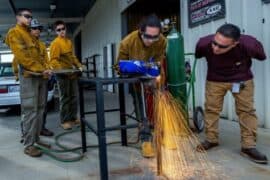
(43,144)
(147,150)
(206,145)
(66,125)
(46,132)
(254,155)
(77,122)
(32,151)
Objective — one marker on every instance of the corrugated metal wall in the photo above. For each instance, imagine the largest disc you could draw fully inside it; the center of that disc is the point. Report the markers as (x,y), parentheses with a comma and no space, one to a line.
(249,16)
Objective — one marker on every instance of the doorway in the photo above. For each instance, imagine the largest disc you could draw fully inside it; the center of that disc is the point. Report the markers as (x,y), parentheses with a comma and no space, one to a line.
(78,46)
(131,17)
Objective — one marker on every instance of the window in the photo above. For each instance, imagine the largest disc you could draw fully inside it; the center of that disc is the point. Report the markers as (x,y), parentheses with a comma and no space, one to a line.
(6,57)
(6,70)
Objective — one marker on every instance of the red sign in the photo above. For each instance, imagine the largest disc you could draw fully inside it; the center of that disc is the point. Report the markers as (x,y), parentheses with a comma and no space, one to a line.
(203,11)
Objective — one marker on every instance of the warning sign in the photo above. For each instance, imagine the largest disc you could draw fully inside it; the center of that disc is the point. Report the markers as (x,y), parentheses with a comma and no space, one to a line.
(203,11)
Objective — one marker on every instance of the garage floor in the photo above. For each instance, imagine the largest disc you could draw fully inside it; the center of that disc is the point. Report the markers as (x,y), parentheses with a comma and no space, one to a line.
(124,162)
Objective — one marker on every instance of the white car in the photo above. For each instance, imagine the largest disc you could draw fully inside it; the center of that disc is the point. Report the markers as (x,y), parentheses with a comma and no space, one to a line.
(10,88)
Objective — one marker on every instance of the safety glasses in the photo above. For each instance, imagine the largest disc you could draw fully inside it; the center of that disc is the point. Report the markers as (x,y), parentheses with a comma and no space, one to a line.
(150,37)
(220,45)
(27,16)
(37,28)
(60,29)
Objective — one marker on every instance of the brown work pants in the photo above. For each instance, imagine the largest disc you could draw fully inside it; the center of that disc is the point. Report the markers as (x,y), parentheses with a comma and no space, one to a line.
(215,92)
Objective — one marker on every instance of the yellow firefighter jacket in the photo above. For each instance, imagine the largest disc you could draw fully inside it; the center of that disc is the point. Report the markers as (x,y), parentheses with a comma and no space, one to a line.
(132,48)
(62,55)
(43,58)
(26,49)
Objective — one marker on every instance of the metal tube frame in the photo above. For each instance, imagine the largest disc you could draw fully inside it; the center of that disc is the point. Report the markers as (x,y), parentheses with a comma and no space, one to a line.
(100,113)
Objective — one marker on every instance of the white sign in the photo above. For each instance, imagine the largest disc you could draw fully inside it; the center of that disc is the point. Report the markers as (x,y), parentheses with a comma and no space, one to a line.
(214,9)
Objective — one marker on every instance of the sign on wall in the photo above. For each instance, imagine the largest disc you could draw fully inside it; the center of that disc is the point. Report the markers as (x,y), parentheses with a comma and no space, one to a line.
(203,11)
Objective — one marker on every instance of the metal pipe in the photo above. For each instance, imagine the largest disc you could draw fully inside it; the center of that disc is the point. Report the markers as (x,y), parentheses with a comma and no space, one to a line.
(108,110)
(101,133)
(91,128)
(82,118)
(132,117)
(122,113)
(130,126)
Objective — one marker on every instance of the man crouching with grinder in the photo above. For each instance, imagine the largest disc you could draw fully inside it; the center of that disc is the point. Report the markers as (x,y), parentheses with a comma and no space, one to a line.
(146,43)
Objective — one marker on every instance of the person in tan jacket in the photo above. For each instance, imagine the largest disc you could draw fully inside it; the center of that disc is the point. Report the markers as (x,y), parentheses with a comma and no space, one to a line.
(62,58)
(145,44)
(35,30)
(27,53)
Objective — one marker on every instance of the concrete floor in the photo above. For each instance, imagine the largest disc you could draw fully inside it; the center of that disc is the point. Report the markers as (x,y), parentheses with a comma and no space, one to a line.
(124,162)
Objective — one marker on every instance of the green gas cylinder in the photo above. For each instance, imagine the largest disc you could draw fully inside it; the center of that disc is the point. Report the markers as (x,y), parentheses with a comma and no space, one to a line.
(176,76)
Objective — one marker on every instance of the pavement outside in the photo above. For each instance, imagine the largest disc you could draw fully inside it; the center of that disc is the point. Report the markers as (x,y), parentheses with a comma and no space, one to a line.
(124,162)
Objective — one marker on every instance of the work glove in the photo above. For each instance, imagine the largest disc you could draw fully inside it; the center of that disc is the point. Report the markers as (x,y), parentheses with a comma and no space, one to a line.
(47,73)
(82,68)
(132,67)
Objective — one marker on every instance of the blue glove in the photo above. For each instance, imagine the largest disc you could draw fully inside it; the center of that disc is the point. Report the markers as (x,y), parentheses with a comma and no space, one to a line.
(153,70)
(132,67)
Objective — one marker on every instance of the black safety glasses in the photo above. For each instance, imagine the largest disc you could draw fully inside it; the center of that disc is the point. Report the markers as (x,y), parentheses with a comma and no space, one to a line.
(37,28)
(150,37)
(27,16)
(60,29)
(220,45)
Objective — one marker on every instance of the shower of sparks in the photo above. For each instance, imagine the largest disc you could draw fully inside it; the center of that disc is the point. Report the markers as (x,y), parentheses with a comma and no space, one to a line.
(176,144)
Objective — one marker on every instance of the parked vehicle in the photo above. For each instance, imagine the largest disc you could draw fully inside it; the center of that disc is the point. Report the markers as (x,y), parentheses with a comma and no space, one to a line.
(10,88)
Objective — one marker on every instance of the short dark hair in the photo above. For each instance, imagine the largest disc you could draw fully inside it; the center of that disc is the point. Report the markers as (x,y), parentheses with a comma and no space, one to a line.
(19,11)
(230,31)
(151,21)
(57,23)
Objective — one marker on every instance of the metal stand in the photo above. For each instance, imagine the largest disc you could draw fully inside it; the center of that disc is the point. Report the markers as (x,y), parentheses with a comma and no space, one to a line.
(144,115)
(100,113)
(91,60)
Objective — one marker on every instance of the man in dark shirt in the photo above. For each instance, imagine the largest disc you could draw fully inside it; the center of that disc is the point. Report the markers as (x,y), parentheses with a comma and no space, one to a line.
(228,55)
